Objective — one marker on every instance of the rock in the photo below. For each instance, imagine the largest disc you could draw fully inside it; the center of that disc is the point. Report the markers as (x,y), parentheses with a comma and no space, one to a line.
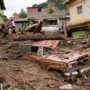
(69,42)
(79,82)
(26,87)
(84,42)
(2,79)
(65,87)
(74,43)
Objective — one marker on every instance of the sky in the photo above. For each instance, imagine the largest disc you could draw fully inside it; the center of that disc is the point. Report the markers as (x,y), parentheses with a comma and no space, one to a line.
(16,5)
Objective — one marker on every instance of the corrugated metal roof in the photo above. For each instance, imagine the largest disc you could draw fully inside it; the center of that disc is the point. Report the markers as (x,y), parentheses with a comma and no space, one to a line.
(45,43)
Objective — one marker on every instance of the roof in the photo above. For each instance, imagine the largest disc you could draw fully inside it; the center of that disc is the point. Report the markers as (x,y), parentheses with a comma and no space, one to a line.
(80,25)
(2,5)
(45,43)
(18,18)
(45,14)
(33,7)
(67,1)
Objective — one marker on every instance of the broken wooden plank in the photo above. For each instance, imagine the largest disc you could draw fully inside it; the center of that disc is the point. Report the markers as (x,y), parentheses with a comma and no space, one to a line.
(31,28)
(39,26)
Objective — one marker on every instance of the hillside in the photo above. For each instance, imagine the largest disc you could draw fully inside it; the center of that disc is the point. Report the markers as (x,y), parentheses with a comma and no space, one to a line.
(58,3)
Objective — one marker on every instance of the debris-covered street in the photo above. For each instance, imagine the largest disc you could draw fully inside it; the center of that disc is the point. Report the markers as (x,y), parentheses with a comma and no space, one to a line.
(21,74)
(45,45)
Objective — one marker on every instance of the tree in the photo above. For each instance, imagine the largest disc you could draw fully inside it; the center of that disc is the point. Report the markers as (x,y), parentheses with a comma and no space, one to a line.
(43,5)
(51,10)
(35,5)
(22,14)
(15,14)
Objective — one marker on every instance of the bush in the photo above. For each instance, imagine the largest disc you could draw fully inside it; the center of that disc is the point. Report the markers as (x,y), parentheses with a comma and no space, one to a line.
(1,15)
(51,11)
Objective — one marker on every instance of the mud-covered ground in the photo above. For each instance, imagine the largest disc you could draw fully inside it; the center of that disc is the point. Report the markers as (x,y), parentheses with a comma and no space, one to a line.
(20,74)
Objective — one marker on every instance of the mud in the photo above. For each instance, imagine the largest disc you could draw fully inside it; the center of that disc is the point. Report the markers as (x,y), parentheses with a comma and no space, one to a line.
(18,74)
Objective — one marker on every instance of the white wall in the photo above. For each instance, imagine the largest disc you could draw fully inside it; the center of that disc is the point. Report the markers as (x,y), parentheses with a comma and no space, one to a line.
(50,28)
(87,10)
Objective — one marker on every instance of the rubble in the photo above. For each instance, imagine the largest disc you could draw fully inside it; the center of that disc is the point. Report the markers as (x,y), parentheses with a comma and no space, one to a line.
(66,87)
(22,74)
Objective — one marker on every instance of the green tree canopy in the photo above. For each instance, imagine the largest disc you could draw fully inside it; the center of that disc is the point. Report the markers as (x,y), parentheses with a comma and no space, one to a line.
(35,5)
(15,14)
(51,10)
(45,4)
(22,14)
(59,3)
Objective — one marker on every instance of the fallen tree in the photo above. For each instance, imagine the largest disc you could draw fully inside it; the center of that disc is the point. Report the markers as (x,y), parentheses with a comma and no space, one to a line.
(35,28)
(31,28)
(40,36)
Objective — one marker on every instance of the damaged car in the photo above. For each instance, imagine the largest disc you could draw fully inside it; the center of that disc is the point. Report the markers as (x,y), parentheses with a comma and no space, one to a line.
(42,53)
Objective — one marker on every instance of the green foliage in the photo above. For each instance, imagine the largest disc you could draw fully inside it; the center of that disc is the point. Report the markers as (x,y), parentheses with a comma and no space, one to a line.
(22,14)
(15,14)
(59,3)
(43,5)
(35,5)
(51,10)
(1,15)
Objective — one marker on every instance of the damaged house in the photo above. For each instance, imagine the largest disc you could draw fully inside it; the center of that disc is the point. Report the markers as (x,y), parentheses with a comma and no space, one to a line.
(79,17)
(53,20)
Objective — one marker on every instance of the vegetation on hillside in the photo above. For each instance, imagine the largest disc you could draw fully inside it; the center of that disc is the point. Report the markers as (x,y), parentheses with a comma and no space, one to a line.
(1,15)
(22,14)
(15,14)
(51,10)
(59,4)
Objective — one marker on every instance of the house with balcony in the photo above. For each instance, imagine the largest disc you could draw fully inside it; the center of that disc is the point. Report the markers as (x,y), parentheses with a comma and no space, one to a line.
(79,17)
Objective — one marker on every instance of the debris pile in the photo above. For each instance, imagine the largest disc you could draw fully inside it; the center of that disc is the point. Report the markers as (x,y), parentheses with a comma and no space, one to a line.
(19,74)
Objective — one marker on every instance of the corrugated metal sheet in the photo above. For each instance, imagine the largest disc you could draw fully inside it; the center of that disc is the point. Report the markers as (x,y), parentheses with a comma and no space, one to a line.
(45,43)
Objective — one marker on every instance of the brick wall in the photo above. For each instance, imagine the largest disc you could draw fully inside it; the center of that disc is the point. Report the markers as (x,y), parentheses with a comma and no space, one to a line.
(32,10)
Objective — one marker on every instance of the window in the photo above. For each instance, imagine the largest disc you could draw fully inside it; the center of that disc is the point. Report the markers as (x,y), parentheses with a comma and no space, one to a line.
(79,10)
(51,22)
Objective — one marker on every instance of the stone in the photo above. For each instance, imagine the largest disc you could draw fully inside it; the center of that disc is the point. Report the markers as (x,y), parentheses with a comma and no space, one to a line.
(66,87)
(79,82)
(26,87)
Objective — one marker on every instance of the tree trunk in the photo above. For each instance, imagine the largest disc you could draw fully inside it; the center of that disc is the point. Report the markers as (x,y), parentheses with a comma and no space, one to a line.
(39,36)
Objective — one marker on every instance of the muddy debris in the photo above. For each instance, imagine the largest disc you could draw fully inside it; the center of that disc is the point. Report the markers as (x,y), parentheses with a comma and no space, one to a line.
(20,74)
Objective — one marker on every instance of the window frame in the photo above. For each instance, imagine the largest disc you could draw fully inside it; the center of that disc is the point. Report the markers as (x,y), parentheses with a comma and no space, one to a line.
(79,10)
